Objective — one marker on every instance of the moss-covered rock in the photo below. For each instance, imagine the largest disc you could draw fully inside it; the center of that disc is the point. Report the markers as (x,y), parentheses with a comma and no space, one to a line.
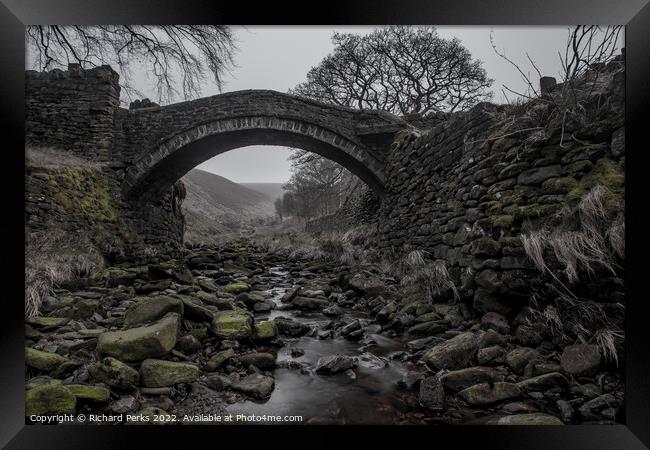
(48,322)
(44,361)
(49,399)
(88,393)
(114,373)
(236,288)
(529,419)
(502,221)
(266,330)
(160,373)
(606,173)
(559,185)
(235,324)
(218,359)
(137,344)
(146,309)
(84,308)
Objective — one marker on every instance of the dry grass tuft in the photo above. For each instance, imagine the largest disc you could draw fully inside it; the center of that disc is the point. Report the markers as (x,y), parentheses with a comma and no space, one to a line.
(52,258)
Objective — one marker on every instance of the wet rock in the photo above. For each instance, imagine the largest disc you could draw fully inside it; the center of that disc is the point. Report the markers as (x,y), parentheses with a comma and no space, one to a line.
(456,353)
(581,360)
(371,361)
(290,295)
(266,330)
(491,356)
(309,304)
(147,309)
(529,419)
(428,328)
(218,359)
(49,399)
(334,364)
(419,344)
(217,381)
(114,373)
(291,328)
(385,312)
(232,325)
(88,393)
(160,373)
(432,394)
(349,328)
(264,361)
(43,361)
(124,405)
(461,379)
(495,321)
(520,357)
(296,352)
(257,385)
(550,382)
(137,344)
(487,393)
(333,311)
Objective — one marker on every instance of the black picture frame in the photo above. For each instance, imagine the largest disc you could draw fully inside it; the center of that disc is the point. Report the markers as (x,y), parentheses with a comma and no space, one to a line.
(15,14)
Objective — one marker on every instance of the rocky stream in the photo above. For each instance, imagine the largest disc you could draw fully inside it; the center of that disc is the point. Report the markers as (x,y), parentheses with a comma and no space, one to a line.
(238,331)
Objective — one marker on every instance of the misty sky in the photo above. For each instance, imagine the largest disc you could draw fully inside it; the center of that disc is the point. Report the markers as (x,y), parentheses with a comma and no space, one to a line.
(278,58)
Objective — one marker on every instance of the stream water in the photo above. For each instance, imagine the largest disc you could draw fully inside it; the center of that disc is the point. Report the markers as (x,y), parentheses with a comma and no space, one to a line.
(368,394)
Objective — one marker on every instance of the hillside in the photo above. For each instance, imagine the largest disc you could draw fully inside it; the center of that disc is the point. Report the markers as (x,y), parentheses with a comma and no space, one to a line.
(271,190)
(215,206)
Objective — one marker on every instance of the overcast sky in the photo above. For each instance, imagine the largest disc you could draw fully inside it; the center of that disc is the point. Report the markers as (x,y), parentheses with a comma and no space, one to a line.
(278,58)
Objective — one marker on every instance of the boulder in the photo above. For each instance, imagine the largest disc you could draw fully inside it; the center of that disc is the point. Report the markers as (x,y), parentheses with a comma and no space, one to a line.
(491,356)
(456,353)
(234,324)
(266,330)
(114,373)
(520,357)
(257,385)
(384,313)
(335,364)
(554,382)
(194,310)
(487,393)
(458,380)
(291,328)
(310,304)
(236,288)
(137,344)
(581,360)
(44,361)
(160,373)
(49,399)
(263,361)
(432,394)
(88,393)
(367,284)
(147,309)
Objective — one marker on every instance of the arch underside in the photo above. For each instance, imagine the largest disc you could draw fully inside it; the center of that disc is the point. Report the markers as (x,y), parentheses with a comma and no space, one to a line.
(178,156)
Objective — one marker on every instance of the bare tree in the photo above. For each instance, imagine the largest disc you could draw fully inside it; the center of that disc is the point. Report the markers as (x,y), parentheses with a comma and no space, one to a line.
(177,57)
(399,69)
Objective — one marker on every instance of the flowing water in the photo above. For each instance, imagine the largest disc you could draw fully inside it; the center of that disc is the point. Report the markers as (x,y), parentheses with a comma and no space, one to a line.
(367,394)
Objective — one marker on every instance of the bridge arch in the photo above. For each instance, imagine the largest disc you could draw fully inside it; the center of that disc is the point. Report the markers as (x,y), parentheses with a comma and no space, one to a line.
(208,127)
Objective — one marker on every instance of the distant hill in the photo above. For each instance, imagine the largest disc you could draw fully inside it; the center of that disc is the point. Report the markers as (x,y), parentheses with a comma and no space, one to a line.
(215,206)
(271,190)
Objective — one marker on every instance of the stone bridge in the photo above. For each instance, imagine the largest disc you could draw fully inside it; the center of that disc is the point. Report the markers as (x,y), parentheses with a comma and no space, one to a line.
(166,142)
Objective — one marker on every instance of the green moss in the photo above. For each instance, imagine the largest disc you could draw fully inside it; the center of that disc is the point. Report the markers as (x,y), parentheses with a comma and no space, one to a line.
(579,166)
(83,191)
(44,361)
(89,393)
(266,330)
(492,207)
(232,325)
(606,173)
(513,169)
(236,288)
(560,185)
(49,399)
(502,221)
(536,210)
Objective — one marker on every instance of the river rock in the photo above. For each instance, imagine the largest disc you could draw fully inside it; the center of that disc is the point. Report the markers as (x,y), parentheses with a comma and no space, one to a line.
(428,328)
(194,310)
(553,382)
(114,373)
(529,419)
(385,313)
(263,361)
(310,304)
(581,360)
(257,385)
(266,330)
(456,353)
(147,309)
(461,379)
(291,328)
(367,284)
(495,321)
(171,269)
(44,361)
(432,394)
(236,288)
(334,364)
(137,344)
(49,399)
(218,359)
(233,324)
(160,373)
(519,358)
(486,393)
(491,356)
(88,393)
